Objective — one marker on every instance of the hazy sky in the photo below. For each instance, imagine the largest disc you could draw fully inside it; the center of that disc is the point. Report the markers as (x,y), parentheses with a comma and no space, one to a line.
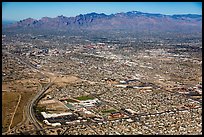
(37,10)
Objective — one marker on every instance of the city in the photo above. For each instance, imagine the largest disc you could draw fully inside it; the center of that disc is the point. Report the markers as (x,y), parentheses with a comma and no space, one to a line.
(102,85)
(98,82)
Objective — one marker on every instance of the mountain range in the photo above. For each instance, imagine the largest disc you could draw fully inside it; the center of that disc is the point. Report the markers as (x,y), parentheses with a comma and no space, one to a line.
(134,20)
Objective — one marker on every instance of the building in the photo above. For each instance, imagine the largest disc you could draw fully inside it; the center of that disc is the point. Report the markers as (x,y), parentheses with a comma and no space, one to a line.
(130,111)
(45,115)
(116,115)
(121,86)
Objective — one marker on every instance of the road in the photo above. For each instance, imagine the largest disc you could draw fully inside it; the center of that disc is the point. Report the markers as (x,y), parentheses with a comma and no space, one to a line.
(29,108)
(19,99)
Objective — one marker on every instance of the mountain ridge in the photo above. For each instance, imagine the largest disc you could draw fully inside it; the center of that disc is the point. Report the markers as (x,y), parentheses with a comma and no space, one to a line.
(139,21)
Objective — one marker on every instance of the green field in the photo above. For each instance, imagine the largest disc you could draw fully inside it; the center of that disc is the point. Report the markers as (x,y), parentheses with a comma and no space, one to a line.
(84,98)
(108,111)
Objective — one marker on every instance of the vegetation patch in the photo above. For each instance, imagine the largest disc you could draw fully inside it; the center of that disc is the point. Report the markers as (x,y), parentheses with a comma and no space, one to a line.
(108,111)
(84,98)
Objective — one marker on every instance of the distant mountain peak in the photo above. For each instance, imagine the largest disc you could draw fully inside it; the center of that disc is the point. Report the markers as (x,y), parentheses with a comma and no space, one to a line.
(133,20)
(61,16)
(94,14)
(29,19)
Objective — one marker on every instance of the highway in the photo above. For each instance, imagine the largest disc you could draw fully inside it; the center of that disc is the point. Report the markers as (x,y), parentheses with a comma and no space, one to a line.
(29,108)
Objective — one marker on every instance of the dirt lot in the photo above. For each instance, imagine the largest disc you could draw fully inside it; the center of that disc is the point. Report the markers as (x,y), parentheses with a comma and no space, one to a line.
(10,96)
(9,101)
(64,80)
(53,106)
(25,96)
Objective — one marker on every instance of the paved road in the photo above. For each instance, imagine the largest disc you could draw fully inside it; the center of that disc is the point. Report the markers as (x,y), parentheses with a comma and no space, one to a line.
(30,111)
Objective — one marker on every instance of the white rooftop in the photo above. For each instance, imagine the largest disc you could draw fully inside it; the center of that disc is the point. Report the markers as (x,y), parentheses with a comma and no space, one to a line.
(45,115)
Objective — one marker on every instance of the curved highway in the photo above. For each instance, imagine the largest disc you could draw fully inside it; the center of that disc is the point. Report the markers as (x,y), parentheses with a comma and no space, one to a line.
(29,109)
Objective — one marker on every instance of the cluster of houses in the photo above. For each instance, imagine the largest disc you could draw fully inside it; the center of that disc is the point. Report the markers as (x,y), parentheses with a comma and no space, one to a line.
(192,91)
(132,83)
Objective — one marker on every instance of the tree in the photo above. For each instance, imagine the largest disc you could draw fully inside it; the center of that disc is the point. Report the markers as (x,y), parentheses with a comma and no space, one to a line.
(58,131)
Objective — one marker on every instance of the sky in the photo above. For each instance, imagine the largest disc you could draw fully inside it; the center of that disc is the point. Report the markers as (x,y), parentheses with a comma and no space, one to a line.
(22,10)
